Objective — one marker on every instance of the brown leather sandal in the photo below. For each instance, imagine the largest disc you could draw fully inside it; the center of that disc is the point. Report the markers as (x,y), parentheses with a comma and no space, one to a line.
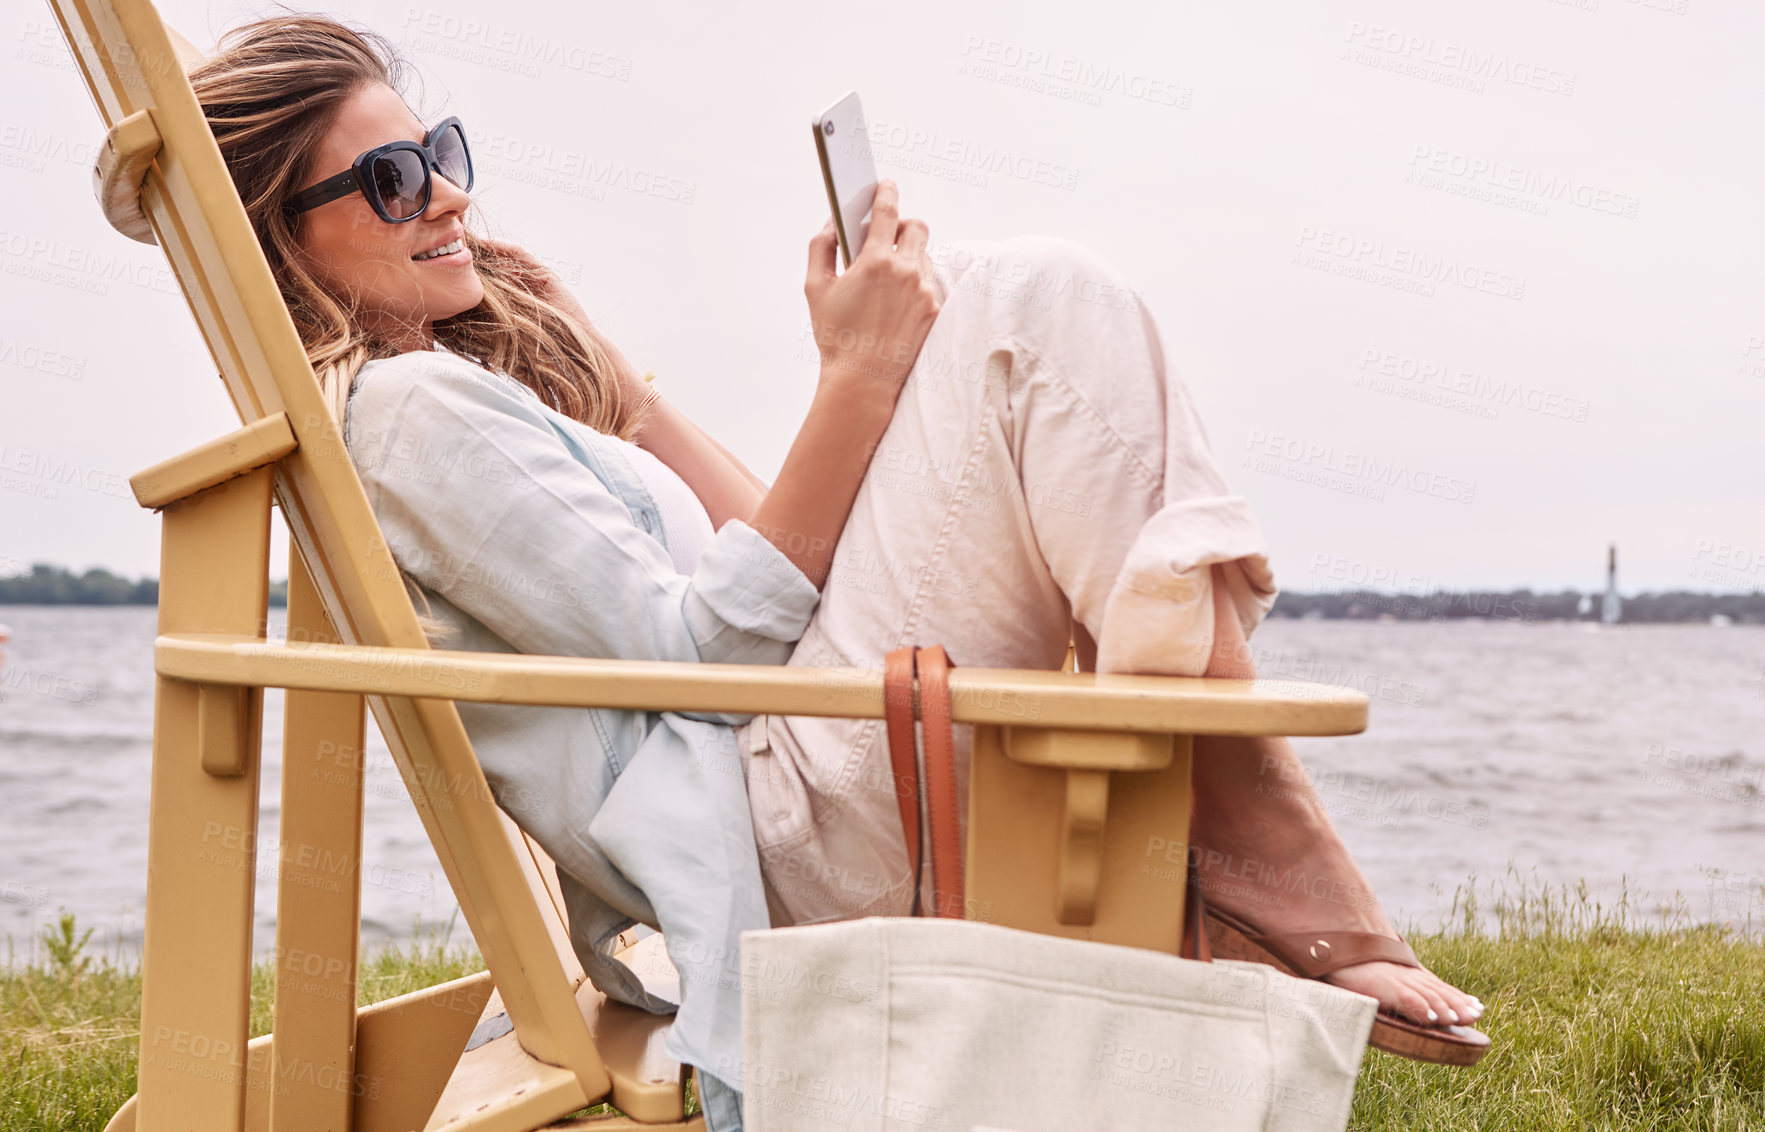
(1312,955)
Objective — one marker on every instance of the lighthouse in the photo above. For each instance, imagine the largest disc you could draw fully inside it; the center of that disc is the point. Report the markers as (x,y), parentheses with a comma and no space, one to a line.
(1610,608)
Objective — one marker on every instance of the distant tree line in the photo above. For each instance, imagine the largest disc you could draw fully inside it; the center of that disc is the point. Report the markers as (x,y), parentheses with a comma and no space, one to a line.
(52,585)
(1518,605)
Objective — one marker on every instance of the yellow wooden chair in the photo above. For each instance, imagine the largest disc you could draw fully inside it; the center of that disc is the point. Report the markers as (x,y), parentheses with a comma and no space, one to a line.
(1079,800)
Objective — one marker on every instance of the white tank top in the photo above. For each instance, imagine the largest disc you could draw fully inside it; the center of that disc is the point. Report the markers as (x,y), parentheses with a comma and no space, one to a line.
(684,521)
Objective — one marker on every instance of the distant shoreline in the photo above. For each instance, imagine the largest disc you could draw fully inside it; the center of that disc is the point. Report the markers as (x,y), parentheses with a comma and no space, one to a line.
(46,584)
(1673,607)
(53,585)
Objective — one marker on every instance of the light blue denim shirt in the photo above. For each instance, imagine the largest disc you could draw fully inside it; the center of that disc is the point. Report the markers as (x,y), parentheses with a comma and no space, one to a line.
(530,532)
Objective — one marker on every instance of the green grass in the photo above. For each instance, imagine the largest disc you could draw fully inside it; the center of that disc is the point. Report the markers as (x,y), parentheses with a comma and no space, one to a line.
(1600,1020)
(70,1022)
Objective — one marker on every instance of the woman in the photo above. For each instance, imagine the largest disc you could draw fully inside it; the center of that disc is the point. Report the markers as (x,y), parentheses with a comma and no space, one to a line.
(995,460)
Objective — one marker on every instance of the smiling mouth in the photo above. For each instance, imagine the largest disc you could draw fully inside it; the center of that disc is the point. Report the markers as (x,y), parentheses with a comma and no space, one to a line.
(443,250)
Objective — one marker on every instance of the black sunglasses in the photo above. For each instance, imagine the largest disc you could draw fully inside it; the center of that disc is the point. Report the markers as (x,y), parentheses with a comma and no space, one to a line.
(395,176)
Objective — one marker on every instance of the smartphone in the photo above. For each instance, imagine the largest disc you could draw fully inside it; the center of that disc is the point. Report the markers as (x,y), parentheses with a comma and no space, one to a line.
(848,170)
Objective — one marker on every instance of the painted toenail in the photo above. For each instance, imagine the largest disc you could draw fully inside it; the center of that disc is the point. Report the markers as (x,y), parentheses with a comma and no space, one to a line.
(1453,1014)
(1433,1017)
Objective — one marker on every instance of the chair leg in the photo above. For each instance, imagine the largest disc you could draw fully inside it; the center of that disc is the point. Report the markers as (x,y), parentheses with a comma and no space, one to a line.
(318,890)
(202,832)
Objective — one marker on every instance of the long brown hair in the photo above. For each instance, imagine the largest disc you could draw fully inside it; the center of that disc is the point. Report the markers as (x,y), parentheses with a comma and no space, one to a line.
(270,92)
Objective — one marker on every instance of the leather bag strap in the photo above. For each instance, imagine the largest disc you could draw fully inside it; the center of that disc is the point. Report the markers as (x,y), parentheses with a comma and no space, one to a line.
(898,716)
(942,807)
(929,668)
(1195,943)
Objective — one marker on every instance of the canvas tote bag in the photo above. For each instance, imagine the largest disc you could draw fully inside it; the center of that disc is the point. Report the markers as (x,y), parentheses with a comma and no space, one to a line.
(896,1023)
(943,1023)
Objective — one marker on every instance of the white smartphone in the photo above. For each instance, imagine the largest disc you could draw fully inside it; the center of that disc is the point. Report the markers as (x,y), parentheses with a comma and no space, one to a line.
(848,170)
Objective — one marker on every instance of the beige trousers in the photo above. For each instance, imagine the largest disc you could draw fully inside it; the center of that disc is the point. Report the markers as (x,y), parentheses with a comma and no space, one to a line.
(1045,476)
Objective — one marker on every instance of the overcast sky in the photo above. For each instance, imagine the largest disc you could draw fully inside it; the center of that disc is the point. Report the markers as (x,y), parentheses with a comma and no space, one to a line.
(1465,290)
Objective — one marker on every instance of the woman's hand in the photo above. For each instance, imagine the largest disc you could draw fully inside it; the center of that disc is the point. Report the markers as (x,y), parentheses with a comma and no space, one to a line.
(870,322)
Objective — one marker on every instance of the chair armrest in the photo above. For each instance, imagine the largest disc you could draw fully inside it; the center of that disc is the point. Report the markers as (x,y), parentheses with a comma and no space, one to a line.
(1000,696)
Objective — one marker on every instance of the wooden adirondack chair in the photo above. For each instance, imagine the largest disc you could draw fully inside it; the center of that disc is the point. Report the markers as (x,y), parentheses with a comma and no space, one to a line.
(1080,789)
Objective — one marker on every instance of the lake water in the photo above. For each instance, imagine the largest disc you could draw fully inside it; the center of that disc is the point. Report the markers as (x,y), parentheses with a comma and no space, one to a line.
(1632,754)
